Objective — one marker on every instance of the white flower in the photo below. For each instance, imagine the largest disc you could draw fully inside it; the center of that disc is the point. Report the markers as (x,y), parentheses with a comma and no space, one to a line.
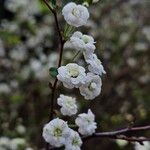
(92,86)
(82,42)
(95,1)
(146,146)
(21,129)
(4,143)
(75,15)
(86,123)
(16,143)
(68,104)
(95,65)
(72,75)
(73,142)
(55,132)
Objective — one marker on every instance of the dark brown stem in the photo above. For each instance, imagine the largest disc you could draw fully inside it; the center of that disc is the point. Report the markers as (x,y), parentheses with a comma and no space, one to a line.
(61,43)
(61,47)
(123,134)
(114,134)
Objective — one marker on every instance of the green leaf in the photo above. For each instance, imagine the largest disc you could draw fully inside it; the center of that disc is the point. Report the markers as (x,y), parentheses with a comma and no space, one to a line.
(53,72)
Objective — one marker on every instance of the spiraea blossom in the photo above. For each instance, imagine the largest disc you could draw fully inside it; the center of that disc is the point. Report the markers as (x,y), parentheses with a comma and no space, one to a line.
(92,86)
(55,132)
(86,123)
(95,65)
(69,106)
(146,146)
(73,141)
(82,42)
(72,75)
(75,15)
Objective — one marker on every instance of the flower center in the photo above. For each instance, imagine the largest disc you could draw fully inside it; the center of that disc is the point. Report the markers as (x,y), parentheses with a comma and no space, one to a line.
(85,39)
(92,86)
(74,72)
(76,12)
(75,141)
(69,102)
(57,132)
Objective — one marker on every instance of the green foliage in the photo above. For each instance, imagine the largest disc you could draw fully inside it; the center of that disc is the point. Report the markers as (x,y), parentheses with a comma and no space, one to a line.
(10,38)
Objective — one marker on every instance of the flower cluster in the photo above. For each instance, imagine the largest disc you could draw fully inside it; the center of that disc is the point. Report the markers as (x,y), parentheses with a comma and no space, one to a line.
(69,106)
(57,132)
(72,75)
(13,144)
(86,123)
(75,15)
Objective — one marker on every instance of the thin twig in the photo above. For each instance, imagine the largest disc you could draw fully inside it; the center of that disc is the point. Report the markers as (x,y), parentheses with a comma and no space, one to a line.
(61,43)
(123,134)
(114,134)
(61,47)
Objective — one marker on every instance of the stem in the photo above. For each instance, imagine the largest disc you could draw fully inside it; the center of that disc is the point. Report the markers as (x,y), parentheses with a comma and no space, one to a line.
(61,47)
(123,134)
(61,43)
(74,57)
(115,134)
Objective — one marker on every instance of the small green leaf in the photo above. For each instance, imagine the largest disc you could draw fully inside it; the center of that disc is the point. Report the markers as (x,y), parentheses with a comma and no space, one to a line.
(53,71)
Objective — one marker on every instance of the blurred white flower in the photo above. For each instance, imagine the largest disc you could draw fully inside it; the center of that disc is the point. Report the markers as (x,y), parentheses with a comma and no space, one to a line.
(86,123)
(38,69)
(146,146)
(82,42)
(95,65)
(2,50)
(121,143)
(19,53)
(92,86)
(55,132)
(69,106)
(29,148)
(25,9)
(16,143)
(146,31)
(95,1)
(21,129)
(75,15)
(4,88)
(4,143)
(72,75)
(73,141)
(141,46)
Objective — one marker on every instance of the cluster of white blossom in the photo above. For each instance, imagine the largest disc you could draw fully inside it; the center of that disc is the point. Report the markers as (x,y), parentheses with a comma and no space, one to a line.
(86,123)
(25,9)
(72,75)
(145,146)
(56,132)
(68,105)
(13,144)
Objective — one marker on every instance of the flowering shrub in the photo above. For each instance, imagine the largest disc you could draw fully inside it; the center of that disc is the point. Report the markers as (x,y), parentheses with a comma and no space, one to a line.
(116,31)
(74,76)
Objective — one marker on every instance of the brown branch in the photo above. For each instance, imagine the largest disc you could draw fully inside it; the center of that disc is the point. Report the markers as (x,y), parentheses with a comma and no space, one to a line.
(123,134)
(61,42)
(61,47)
(115,134)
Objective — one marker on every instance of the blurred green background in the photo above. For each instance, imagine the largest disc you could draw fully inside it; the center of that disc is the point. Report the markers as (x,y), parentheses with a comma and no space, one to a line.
(28,48)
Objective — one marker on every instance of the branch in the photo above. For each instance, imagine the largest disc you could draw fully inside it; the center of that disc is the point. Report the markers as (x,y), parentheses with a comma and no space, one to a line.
(114,134)
(61,43)
(61,47)
(123,134)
